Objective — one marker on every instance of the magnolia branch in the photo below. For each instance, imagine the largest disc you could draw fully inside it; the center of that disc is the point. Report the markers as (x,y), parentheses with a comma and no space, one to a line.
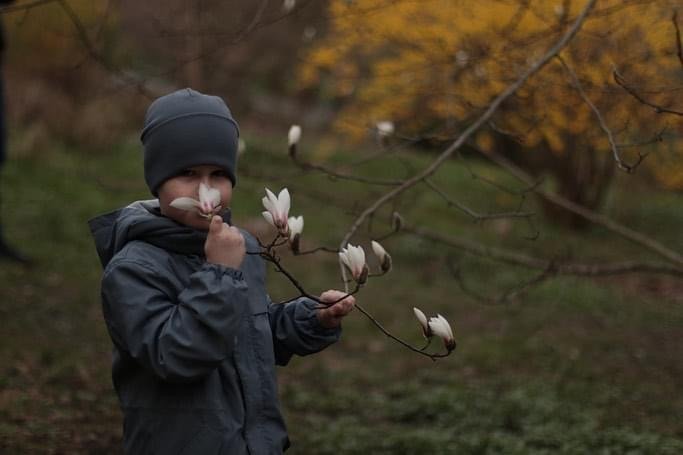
(483,119)
(267,253)
(630,168)
(289,230)
(400,341)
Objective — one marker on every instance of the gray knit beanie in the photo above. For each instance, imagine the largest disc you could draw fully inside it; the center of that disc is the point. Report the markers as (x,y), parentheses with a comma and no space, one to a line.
(184,129)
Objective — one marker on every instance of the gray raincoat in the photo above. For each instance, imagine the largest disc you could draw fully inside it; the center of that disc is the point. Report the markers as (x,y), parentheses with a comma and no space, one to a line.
(195,344)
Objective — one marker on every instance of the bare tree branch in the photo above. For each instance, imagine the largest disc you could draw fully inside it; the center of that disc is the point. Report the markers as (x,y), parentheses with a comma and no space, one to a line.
(518,258)
(483,119)
(630,168)
(679,43)
(507,296)
(25,6)
(619,79)
(332,173)
(477,216)
(96,56)
(601,220)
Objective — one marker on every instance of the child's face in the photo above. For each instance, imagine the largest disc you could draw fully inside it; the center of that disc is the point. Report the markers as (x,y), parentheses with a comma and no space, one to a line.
(186,184)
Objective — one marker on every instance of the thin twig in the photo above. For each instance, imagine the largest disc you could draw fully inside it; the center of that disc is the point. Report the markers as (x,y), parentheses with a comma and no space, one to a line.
(472,213)
(398,340)
(679,42)
(334,174)
(518,258)
(629,168)
(508,295)
(619,79)
(594,217)
(483,119)
(24,6)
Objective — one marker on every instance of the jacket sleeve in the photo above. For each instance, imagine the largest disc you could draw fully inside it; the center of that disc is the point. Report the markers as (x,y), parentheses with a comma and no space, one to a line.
(179,338)
(296,330)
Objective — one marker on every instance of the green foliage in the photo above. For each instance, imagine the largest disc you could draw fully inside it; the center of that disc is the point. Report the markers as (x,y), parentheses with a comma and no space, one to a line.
(575,366)
(412,419)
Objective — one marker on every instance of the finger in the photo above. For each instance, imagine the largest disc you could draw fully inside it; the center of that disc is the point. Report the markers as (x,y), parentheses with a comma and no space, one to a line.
(216,224)
(341,308)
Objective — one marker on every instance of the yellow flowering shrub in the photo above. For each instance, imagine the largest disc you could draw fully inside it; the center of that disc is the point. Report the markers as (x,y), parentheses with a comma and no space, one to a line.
(433,65)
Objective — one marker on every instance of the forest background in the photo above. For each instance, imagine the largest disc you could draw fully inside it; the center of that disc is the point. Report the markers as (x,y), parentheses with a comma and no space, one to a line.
(549,235)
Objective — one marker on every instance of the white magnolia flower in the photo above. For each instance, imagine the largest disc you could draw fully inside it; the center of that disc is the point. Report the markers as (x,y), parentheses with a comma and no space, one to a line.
(382,255)
(426,331)
(385,128)
(288,5)
(441,328)
(207,205)
(353,257)
(277,209)
(294,135)
(296,225)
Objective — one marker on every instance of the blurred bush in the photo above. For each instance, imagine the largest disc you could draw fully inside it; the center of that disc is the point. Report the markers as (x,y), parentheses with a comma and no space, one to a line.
(59,80)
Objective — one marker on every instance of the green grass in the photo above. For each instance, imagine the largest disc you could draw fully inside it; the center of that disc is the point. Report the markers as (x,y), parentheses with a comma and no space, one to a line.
(573,366)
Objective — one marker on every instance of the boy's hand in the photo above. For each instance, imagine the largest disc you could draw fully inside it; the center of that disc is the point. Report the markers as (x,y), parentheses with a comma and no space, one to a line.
(331,316)
(224,244)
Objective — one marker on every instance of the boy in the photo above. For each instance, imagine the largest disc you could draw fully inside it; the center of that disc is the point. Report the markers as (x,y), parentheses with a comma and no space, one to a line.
(195,336)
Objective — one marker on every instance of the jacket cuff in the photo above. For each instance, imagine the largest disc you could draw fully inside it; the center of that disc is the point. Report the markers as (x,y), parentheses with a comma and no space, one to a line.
(221,270)
(311,324)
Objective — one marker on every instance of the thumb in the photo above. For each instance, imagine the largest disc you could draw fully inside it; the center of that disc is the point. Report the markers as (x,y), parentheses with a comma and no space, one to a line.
(216,224)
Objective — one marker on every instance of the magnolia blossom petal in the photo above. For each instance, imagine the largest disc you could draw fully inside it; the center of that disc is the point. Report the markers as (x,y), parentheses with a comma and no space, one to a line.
(270,201)
(284,202)
(209,198)
(294,135)
(296,225)
(185,203)
(423,322)
(440,327)
(269,218)
(353,258)
(383,256)
(278,207)
(344,256)
(379,250)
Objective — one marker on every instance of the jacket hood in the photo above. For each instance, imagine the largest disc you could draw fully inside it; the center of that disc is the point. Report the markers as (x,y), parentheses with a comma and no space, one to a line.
(142,220)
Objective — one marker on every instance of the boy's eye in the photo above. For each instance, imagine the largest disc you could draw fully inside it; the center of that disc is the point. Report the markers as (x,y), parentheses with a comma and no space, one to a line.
(187,173)
(219,174)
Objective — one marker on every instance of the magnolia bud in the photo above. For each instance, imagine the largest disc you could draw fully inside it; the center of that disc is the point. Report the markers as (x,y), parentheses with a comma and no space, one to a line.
(363,275)
(382,255)
(293,139)
(294,243)
(397,222)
